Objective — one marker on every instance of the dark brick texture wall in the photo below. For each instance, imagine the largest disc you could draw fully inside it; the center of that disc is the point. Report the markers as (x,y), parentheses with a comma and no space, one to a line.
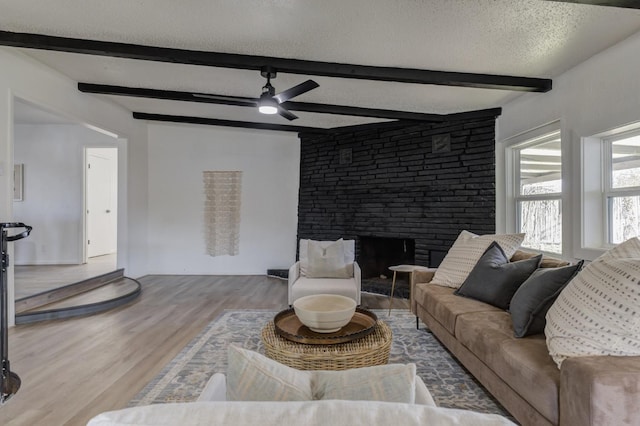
(391,183)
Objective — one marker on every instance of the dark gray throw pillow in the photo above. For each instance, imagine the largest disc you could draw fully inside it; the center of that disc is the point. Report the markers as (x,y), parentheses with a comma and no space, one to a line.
(535,296)
(494,279)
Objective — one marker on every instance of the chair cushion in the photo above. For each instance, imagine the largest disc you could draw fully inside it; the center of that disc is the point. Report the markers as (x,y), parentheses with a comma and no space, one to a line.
(327,261)
(307,286)
(349,247)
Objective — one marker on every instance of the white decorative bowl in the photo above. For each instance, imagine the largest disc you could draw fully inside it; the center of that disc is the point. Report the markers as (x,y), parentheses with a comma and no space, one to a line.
(325,313)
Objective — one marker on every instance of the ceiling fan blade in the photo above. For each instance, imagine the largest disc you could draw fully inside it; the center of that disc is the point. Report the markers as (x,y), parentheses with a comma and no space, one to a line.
(296,90)
(287,114)
(227,100)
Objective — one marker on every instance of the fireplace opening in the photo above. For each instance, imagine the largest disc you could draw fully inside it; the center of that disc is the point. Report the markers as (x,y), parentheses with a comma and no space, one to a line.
(378,253)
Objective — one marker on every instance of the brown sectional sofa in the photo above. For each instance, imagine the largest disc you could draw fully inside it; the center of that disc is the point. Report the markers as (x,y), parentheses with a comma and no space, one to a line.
(519,372)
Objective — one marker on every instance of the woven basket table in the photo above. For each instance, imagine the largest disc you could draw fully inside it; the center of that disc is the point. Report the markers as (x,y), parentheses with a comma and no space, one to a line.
(372,349)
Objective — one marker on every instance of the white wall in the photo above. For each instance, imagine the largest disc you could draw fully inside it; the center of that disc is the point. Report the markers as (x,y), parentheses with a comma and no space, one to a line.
(270,164)
(53,158)
(23,77)
(598,95)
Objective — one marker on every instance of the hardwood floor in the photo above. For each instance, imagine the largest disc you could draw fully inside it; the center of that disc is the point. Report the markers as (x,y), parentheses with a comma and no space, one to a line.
(74,369)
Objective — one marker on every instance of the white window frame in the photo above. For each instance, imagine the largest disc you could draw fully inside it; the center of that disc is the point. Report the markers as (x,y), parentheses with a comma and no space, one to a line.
(595,164)
(609,191)
(512,148)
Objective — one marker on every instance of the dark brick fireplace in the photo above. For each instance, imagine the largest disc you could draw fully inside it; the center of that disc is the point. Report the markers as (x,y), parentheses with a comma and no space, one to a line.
(423,183)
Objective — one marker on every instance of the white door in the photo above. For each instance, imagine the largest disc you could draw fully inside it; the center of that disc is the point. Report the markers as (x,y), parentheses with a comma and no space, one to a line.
(101,201)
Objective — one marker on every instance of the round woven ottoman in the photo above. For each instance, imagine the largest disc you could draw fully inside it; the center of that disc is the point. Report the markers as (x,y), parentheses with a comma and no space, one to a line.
(372,349)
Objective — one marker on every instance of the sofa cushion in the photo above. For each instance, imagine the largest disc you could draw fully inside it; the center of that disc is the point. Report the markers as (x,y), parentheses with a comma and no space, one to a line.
(547,262)
(532,300)
(597,312)
(524,364)
(494,280)
(445,306)
(307,286)
(465,252)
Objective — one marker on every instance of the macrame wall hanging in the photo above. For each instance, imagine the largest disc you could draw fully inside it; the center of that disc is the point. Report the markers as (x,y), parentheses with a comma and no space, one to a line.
(222,192)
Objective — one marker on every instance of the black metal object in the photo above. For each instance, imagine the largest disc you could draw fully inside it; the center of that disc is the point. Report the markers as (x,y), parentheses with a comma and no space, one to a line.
(9,381)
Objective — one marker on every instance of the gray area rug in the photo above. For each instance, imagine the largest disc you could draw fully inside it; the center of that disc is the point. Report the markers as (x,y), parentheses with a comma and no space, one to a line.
(183,379)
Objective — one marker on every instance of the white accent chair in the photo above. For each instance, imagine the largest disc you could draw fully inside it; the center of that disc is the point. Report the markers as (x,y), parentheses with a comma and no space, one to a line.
(303,281)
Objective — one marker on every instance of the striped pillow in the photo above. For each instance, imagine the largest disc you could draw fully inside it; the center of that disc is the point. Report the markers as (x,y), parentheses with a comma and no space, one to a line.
(465,253)
(598,313)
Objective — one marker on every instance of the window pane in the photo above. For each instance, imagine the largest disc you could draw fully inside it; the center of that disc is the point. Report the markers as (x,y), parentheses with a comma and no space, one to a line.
(625,218)
(540,168)
(625,169)
(541,220)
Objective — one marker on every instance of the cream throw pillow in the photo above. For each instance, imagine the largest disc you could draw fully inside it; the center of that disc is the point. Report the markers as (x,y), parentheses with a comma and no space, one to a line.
(465,253)
(390,383)
(349,247)
(598,312)
(327,261)
(254,377)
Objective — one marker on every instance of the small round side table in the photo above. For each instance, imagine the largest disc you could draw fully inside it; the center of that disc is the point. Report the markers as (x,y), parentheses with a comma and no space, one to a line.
(410,269)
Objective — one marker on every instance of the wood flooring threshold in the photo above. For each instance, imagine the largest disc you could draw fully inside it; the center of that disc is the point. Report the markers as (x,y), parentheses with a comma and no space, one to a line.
(51,296)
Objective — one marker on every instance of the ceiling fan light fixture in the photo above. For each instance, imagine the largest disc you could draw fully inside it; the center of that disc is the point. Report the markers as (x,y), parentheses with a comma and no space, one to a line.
(267,105)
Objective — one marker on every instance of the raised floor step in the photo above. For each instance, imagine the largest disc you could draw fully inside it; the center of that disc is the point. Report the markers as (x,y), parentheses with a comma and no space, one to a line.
(51,296)
(107,296)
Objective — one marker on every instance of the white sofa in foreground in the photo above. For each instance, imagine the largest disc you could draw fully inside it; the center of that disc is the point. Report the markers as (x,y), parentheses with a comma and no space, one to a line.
(294,413)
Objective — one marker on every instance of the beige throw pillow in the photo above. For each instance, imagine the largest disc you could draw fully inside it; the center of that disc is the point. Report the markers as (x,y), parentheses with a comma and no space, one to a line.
(390,383)
(254,377)
(465,253)
(327,261)
(598,312)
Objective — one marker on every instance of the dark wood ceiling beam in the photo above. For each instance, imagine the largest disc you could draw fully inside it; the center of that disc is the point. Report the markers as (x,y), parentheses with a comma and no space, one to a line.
(106,89)
(630,4)
(226,123)
(471,115)
(363,112)
(293,66)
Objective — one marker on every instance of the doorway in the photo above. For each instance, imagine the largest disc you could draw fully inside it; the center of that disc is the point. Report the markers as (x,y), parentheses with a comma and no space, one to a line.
(101,192)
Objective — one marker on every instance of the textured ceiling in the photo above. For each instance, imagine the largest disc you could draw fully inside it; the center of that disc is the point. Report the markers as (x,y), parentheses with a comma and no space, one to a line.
(529,38)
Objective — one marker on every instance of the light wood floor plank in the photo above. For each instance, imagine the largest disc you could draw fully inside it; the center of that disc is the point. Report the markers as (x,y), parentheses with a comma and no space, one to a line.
(73,369)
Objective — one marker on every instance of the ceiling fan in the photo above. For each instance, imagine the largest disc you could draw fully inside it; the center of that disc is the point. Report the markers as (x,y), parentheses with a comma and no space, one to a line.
(269,102)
